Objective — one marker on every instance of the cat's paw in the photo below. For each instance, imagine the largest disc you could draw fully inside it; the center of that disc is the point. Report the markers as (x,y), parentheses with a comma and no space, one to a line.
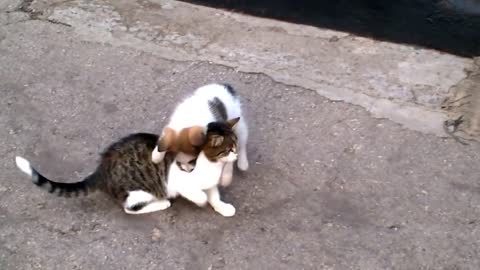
(157,157)
(164,204)
(225,209)
(242,164)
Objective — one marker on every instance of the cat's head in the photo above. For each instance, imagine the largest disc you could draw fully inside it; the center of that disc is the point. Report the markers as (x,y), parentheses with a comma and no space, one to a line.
(221,141)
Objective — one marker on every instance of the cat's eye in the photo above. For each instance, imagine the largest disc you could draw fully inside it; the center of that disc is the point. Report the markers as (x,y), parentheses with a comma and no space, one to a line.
(223,153)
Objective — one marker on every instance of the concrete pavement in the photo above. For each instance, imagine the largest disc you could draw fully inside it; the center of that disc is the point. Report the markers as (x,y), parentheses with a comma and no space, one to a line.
(331,186)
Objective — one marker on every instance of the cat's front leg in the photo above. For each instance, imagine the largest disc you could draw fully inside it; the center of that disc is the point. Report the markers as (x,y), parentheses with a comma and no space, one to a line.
(227,174)
(224,209)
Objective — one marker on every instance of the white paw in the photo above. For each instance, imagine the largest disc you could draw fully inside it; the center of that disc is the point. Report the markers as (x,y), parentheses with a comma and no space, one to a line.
(226,180)
(157,157)
(242,164)
(164,204)
(225,209)
(199,199)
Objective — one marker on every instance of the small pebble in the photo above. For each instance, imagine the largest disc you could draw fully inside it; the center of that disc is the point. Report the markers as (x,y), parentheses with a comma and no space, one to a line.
(156,234)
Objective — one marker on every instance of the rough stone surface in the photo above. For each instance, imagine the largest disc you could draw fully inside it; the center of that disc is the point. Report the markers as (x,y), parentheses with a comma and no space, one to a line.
(464,102)
(9,5)
(330,187)
(402,83)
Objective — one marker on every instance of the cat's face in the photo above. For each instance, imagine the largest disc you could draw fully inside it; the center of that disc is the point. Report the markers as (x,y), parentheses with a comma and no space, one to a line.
(221,142)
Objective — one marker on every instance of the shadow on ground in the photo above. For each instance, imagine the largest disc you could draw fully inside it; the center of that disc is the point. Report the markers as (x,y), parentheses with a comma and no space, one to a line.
(452,26)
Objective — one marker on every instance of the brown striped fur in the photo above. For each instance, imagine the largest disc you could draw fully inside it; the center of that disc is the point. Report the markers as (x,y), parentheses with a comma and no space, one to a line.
(124,166)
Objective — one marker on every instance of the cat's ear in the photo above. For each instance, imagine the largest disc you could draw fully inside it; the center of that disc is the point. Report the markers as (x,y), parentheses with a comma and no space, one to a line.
(216,140)
(167,140)
(196,135)
(232,122)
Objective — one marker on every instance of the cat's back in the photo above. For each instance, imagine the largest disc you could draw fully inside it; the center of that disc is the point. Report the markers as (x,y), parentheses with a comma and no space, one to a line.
(224,92)
(195,110)
(133,144)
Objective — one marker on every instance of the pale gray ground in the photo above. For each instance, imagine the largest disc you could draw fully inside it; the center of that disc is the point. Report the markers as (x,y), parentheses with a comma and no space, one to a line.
(330,187)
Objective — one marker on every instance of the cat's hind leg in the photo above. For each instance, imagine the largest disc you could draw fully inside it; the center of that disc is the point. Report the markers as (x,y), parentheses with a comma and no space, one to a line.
(224,209)
(149,208)
(241,131)
(141,202)
(227,174)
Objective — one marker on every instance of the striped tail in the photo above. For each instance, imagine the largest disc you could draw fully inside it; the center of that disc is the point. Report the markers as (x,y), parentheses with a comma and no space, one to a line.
(65,189)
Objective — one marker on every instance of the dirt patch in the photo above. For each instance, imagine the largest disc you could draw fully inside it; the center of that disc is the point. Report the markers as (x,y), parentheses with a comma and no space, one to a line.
(463,106)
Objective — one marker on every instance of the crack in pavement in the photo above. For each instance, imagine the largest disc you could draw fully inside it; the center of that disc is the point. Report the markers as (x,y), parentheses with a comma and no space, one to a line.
(112,26)
(463,107)
(33,15)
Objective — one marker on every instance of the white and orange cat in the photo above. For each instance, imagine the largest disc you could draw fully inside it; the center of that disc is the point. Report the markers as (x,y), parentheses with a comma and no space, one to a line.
(185,132)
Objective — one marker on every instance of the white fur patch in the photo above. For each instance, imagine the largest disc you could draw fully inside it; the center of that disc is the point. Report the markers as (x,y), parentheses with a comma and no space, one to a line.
(198,103)
(230,158)
(150,208)
(225,209)
(157,157)
(24,165)
(192,186)
(138,196)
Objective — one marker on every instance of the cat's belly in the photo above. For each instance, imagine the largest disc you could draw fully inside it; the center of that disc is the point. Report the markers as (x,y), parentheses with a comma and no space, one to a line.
(197,183)
(179,180)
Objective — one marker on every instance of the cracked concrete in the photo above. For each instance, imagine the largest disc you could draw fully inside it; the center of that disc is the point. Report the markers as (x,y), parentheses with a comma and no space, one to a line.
(9,5)
(464,102)
(330,186)
(22,11)
(402,83)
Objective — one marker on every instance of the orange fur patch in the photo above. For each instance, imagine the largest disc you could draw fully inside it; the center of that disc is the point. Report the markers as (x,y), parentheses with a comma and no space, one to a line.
(191,140)
(167,141)
(186,141)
